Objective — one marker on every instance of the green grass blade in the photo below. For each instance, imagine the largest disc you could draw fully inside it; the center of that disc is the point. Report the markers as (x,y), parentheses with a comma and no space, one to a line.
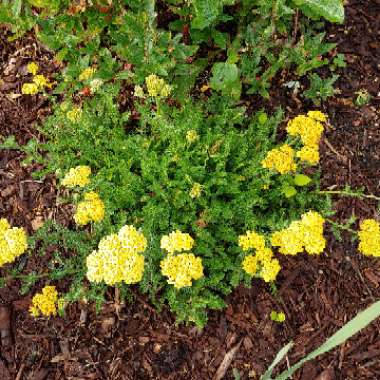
(363,319)
(281,354)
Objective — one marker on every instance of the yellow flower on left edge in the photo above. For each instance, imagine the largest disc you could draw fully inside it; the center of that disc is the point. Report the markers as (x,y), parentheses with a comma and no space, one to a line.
(45,303)
(13,242)
(90,210)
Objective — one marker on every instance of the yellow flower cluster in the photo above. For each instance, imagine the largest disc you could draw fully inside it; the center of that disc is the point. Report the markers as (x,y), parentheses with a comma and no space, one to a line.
(118,258)
(192,136)
(90,210)
(305,234)
(74,114)
(182,269)
(369,238)
(177,241)
(45,303)
(280,159)
(12,242)
(196,190)
(309,128)
(33,68)
(78,176)
(39,81)
(156,86)
(87,74)
(262,262)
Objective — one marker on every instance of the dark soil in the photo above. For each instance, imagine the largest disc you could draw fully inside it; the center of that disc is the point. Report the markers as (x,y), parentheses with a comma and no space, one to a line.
(133,341)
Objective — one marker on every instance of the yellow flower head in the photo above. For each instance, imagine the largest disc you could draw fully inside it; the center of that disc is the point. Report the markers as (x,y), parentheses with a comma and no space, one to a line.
(177,241)
(318,116)
(13,242)
(196,190)
(306,234)
(250,264)
(87,74)
(78,176)
(118,258)
(251,240)
(45,303)
(289,240)
(90,210)
(33,68)
(41,81)
(139,92)
(262,263)
(157,86)
(4,226)
(280,159)
(369,238)
(270,270)
(312,227)
(132,240)
(74,115)
(192,136)
(309,129)
(29,89)
(309,154)
(182,269)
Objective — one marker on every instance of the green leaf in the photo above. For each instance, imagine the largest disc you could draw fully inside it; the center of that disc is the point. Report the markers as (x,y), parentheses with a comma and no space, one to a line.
(301,180)
(9,143)
(331,10)
(16,7)
(281,354)
(226,79)
(289,191)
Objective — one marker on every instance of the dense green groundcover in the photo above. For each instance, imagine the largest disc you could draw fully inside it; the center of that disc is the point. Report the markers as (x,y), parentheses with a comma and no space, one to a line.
(187,129)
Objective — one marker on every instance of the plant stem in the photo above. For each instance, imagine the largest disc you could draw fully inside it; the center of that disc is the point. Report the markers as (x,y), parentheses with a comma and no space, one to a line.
(348,194)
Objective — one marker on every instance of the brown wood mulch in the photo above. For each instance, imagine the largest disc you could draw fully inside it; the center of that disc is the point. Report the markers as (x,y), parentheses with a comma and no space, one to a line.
(133,341)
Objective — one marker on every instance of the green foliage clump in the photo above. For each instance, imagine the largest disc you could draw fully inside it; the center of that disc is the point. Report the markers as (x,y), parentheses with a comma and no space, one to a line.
(181,159)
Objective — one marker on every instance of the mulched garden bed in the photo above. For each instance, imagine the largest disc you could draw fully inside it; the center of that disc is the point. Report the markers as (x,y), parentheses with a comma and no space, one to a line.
(133,341)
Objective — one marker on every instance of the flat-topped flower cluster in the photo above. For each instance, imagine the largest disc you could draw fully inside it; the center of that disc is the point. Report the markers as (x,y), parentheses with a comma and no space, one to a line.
(118,258)
(13,242)
(309,128)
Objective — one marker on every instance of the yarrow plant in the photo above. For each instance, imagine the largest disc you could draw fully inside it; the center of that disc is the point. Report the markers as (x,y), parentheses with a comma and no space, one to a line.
(152,129)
